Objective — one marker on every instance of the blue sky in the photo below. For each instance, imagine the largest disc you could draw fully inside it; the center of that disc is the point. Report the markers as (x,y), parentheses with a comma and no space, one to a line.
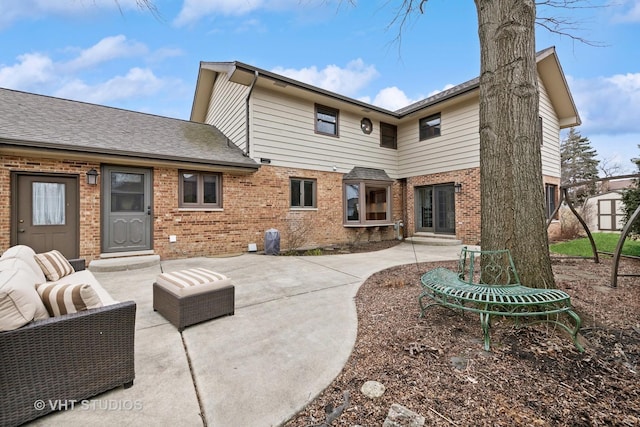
(125,57)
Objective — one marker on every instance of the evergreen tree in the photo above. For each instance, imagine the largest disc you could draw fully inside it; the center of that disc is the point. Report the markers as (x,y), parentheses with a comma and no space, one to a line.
(631,200)
(578,163)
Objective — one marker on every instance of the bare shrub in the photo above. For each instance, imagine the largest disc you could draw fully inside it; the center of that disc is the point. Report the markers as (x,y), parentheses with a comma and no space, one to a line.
(297,232)
(570,227)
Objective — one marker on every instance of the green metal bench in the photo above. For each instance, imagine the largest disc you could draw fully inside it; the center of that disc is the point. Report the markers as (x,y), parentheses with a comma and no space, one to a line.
(487,283)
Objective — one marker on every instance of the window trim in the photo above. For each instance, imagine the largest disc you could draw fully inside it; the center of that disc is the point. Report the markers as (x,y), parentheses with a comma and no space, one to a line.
(389,126)
(200,190)
(314,196)
(362,187)
(323,109)
(427,119)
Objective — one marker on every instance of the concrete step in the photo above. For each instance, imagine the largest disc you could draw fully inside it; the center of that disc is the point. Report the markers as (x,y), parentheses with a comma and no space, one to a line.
(431,239)
(124,261)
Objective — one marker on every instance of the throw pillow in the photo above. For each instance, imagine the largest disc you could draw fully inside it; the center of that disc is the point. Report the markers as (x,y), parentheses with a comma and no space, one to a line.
(54,265)
(64,299)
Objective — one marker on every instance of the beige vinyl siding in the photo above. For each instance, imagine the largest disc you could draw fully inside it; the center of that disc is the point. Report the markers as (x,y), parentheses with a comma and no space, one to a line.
(550,149)
(283,130)
(458,146)
(227,110)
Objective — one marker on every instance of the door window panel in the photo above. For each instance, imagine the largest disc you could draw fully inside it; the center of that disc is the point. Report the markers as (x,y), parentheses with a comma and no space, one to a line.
(48,200)
(127,192)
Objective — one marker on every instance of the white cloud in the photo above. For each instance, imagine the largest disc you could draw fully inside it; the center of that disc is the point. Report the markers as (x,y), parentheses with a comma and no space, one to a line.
(70,78)
(346,81)
(630,10)
(608,105)
(193,10)
(392,99)
(105,50)
(137,82)
(31,69)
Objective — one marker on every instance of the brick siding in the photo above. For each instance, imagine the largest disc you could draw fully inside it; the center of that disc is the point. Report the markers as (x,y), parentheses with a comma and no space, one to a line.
(252,204)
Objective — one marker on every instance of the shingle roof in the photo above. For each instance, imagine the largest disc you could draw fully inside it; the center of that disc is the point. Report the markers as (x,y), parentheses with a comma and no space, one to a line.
(38,121)
(440,96)
(367,174)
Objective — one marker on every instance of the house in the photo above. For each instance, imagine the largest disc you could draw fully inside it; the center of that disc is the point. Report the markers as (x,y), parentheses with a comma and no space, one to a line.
(260,151)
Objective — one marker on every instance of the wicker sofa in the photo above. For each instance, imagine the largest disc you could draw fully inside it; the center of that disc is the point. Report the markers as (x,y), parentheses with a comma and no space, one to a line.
(64,358)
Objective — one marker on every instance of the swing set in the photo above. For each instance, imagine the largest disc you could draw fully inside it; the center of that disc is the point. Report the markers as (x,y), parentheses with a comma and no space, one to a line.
(564,196)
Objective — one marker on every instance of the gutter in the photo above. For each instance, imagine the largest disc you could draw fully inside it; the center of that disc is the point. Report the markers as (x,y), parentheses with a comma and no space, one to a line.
(253,83)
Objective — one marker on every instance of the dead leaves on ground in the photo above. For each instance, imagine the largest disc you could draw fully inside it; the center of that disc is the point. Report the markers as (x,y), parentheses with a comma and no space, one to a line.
(533,376)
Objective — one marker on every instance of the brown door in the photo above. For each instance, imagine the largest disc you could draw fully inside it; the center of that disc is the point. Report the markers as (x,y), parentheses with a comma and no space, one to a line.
(46,212)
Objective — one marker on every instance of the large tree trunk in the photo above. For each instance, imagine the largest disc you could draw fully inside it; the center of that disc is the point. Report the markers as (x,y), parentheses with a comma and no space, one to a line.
(512,192)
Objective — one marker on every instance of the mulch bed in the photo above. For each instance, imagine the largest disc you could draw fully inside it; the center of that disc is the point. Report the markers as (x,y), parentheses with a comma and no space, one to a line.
(436,366)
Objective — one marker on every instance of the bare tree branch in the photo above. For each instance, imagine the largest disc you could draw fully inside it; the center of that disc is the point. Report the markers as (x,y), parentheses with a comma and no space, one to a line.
(143,4)
(565,26)
(406,10)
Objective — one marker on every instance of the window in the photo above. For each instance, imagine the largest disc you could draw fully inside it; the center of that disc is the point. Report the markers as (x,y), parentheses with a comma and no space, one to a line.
(48,203)
(303,193)
(367,202)
(550,199)
(326,120)
(388,135)
(430,127)
(200,190)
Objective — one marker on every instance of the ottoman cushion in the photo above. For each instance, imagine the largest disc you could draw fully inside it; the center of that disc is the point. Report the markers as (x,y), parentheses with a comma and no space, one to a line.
(192,281)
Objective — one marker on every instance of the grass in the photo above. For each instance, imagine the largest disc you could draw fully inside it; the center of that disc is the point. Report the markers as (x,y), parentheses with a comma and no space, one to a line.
(605,242)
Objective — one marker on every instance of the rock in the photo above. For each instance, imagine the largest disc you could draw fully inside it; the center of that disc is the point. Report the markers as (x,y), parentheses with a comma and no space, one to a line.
(399,416)
(372,389)
(459,363)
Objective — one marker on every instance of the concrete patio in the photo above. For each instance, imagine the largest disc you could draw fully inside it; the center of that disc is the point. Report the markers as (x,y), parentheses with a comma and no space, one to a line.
(294,327)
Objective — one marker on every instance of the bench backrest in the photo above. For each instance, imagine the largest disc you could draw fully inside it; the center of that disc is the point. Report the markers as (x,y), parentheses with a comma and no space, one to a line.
(492,268)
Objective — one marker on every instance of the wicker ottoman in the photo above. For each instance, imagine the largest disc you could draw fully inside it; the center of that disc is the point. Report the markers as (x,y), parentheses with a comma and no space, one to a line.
(187,297)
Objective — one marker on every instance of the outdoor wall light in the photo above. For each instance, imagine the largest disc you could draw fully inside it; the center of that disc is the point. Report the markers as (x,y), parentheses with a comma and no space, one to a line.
(457,187)
(92,177)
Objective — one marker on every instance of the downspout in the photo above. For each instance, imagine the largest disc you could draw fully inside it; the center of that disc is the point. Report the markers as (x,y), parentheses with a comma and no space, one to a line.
(253,83)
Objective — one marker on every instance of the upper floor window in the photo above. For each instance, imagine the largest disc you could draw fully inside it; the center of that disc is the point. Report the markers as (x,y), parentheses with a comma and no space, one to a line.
(303,193)
(430,127)
(326,120)
(388,135)
(200,190)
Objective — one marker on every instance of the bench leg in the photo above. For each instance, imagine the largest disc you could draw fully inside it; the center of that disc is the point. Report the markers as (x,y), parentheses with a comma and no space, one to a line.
(574,333)
(484,323)
(424,307)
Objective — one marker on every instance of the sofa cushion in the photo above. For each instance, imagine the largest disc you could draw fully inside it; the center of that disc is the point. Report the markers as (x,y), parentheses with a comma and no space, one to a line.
(54,265)
(19,264)
(87,277)
(68,298)
(192,281)
(19,300)
(26,254)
